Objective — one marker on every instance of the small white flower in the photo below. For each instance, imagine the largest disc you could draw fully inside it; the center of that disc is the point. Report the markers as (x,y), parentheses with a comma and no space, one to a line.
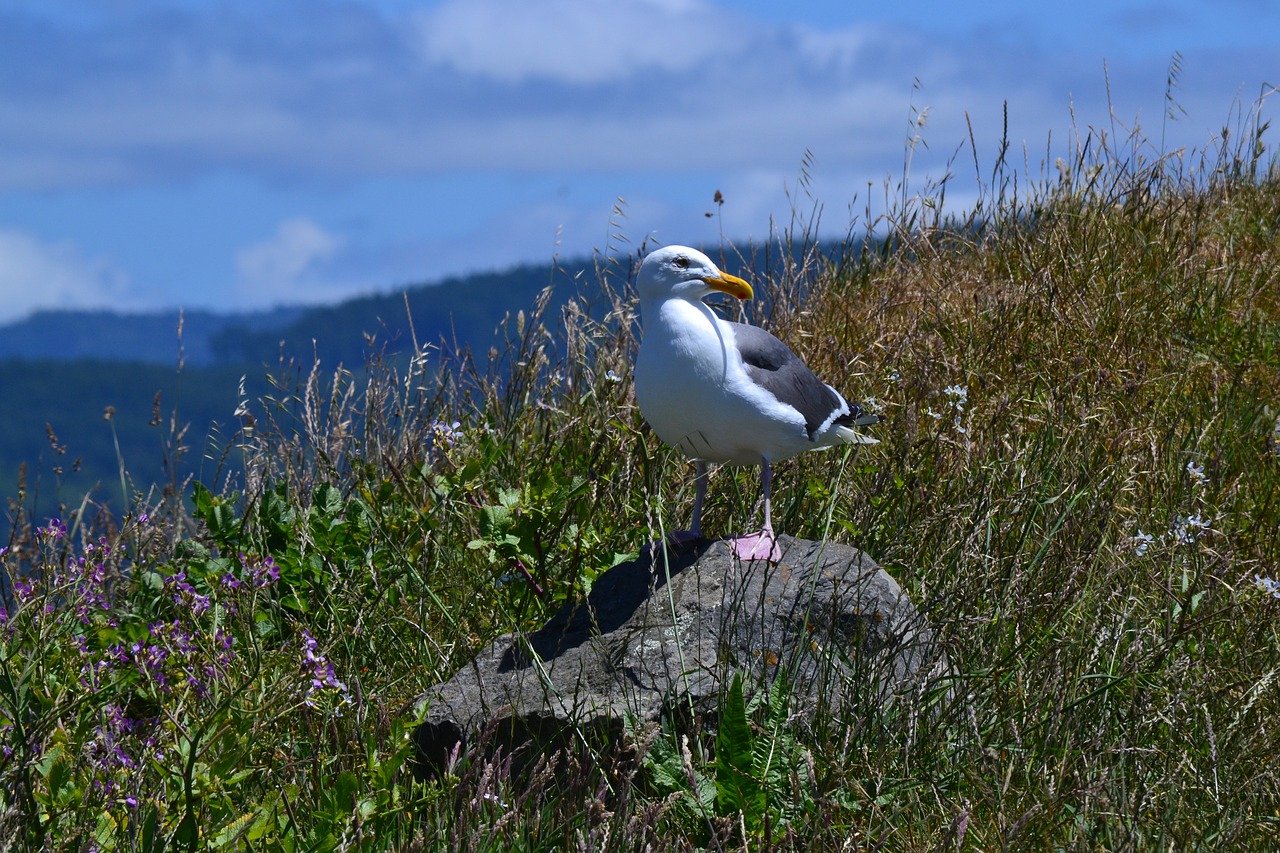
(1141,542)
(1196,472)
(494,798)
(937,416)
(612,377)
(959,395)
(1189,529)
(1268,585)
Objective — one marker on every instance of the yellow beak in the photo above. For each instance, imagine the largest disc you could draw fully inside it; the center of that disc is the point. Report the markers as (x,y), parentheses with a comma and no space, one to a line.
(731,285)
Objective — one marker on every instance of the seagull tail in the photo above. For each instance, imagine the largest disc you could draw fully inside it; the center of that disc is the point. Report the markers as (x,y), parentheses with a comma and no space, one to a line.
(856,417)
(849,436)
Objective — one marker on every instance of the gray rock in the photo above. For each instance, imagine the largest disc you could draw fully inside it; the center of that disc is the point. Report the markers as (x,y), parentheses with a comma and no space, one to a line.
(651,644)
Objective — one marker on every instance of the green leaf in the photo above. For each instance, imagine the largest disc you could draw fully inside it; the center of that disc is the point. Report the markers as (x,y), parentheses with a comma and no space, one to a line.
(327,501)
(736,788)
(234,830)
(278,518)
(345,788)
(494,521)
(148,838)
(267,817)
(104,834)
(187,834)
(216,511)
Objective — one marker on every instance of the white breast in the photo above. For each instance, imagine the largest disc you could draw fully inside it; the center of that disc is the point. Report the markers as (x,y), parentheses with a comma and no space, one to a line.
(696,395)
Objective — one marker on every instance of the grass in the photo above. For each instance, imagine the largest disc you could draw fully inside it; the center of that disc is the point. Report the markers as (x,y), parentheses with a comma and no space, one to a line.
(1078,482)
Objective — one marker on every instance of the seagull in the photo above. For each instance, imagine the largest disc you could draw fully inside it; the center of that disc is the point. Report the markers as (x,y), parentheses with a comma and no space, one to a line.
(724,392)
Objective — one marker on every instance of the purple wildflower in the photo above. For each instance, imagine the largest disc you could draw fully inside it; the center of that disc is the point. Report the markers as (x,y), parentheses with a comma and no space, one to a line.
(186,594)
(23,589)
(267,573)
(321,672)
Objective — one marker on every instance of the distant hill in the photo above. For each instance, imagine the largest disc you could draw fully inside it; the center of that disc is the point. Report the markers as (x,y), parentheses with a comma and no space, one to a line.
(463,311)
(110,336)
(52,421)
(59,370)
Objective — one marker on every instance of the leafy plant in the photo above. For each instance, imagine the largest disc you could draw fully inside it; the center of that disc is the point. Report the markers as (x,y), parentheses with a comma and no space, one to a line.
(1076,482)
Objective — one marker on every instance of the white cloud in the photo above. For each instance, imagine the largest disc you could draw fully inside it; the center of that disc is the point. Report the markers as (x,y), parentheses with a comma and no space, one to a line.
(339,91)
(37,274)
(288,266)
(578,42)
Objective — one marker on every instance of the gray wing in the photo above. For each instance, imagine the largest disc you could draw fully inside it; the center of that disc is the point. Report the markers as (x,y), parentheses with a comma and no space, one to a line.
(772,365)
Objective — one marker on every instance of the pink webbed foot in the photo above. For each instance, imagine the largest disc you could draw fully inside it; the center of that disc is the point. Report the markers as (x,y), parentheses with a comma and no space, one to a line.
(757,546)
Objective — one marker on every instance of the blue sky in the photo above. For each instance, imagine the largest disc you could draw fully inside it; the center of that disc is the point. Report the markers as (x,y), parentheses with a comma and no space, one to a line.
(242,154)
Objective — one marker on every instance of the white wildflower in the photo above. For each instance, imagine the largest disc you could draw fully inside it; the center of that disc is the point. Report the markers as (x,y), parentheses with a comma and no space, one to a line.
(959,396)
(1268,585)
(1188,529)
(1141,542)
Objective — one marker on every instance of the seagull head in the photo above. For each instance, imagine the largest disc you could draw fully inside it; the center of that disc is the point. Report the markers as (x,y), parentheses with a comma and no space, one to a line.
(684,273)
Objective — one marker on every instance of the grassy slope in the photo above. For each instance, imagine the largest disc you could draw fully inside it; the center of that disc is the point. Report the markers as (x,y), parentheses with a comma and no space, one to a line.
(1112,354)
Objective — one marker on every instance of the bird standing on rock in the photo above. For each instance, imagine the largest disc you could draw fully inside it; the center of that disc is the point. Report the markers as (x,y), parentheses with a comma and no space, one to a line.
(727,392)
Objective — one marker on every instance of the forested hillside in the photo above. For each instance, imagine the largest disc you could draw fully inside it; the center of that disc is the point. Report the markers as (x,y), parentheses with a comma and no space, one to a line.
(59,371)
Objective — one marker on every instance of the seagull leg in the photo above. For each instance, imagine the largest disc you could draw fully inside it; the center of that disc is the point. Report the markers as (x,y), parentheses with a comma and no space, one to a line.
(694,533)
(762,545)
(700,492)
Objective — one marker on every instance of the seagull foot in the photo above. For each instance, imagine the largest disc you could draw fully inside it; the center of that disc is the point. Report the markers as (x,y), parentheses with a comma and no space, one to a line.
(676,540)
(757,546)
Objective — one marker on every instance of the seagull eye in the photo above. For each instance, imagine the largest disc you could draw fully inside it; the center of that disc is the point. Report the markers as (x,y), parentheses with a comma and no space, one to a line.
(682,262)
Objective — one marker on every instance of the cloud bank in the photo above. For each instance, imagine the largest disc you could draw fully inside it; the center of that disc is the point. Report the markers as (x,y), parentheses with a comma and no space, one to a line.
(523,123)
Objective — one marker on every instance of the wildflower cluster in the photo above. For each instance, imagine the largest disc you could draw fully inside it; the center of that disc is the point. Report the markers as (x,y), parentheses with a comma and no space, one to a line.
(957,398)
(322,678)
(446,433)
(138,650)
(119,746)
(1188,529)
(82,582)
(185,595)
(259,572)
(1185,530)
(1141,542)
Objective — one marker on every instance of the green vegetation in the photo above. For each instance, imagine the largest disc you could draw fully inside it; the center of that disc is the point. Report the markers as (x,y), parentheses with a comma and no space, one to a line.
(1078,481)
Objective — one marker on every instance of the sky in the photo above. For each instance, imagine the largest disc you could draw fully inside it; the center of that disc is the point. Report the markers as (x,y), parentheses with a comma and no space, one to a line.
(243,154)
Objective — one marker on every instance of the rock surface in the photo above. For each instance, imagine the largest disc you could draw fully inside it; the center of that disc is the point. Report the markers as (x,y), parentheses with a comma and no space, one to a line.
(648,644)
